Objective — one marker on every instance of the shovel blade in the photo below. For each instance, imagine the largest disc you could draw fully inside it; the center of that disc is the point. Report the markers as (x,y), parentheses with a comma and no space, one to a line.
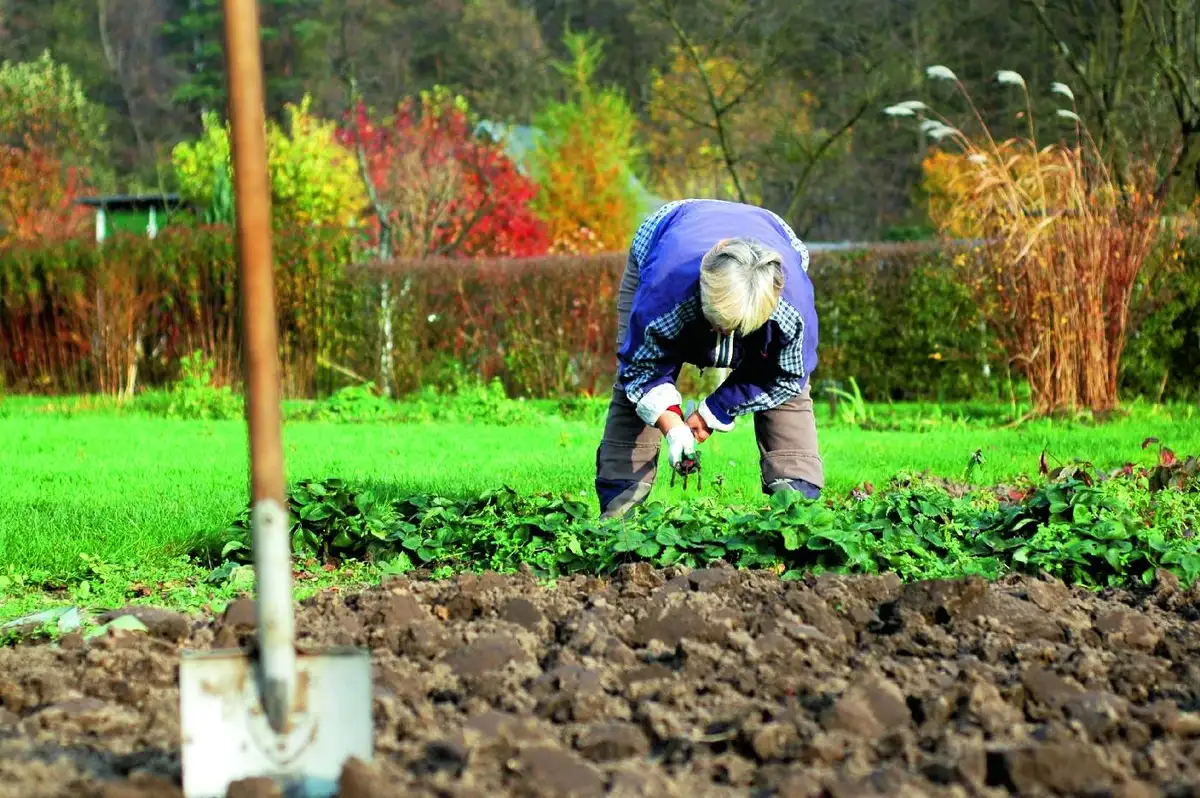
(227,737)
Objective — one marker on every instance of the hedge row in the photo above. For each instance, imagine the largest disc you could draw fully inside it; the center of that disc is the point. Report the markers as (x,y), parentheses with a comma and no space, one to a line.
(78,317)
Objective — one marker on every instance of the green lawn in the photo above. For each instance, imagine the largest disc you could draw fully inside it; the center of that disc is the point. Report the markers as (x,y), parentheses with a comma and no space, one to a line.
(135,487)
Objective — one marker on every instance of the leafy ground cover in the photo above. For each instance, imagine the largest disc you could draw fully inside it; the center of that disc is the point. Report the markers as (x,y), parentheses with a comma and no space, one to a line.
(643,661)
(103,504)
(1078,524)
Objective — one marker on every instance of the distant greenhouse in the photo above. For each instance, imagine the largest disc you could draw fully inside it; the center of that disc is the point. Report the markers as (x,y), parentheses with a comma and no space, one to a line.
(137,213)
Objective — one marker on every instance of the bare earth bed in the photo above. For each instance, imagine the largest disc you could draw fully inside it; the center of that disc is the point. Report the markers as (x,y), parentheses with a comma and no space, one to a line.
(663,683)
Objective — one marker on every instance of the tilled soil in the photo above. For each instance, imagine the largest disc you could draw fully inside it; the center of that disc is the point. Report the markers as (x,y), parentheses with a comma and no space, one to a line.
(666,683)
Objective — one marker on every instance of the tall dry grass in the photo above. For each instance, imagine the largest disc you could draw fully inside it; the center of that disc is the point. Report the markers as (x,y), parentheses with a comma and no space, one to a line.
(1063,243)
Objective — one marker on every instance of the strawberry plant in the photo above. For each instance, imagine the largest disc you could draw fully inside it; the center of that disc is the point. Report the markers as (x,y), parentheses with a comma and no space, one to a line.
(1077,523)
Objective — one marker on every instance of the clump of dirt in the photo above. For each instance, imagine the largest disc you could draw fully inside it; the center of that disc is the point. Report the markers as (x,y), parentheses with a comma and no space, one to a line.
(673,683)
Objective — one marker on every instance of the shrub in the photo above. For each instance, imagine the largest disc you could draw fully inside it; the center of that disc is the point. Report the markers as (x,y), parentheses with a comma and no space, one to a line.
(583,161)
(1162,354)
(1064,245)
(49,132)
(75,317)
(445,189)
(541,327)
(194,395)
(545,326)
(314,180)
(43,107)
(39,203)
(928,345)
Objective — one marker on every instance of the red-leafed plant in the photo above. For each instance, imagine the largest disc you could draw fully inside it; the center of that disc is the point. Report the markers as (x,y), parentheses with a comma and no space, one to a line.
(39,198)
(446,190)
(50,132)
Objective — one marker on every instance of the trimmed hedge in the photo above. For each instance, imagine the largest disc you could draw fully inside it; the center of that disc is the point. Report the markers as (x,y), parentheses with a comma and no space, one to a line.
(77,317)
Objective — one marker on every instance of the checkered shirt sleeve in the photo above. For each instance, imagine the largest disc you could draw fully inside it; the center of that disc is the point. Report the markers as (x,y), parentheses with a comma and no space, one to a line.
(789,380)
(647,361)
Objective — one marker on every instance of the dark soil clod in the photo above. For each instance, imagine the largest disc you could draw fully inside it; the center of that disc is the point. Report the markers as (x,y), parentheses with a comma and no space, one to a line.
(713,682)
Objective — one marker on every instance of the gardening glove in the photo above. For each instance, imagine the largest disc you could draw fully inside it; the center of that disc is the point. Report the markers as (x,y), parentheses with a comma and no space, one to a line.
(680,441)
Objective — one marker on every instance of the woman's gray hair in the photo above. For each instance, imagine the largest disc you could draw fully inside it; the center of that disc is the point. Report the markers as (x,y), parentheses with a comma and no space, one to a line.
(740,284)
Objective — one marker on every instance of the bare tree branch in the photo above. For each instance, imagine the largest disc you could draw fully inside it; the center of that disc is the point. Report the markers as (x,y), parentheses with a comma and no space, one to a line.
(1064,52)
(382,212)
(688,116)
(801,182)
(116,63)
(666,11)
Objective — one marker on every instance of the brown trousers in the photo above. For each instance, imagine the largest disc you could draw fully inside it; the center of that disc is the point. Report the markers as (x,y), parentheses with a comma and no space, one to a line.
(627,457)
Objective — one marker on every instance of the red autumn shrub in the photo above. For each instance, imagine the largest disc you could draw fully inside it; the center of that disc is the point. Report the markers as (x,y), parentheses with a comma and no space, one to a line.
(39,198)
(447,190)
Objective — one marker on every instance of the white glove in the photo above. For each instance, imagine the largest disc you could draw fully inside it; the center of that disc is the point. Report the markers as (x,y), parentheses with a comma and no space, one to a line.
(680,441)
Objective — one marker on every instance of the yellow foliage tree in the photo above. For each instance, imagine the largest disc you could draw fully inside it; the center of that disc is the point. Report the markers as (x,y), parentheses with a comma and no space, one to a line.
(314,179)
(588,196)
(686,156)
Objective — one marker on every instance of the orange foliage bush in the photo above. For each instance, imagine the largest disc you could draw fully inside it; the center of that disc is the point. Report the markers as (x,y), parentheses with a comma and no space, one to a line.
(582,163)
(38,202)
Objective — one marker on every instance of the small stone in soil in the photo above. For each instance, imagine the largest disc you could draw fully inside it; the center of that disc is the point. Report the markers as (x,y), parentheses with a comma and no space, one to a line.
(522,612)
(548,771)
(606,742)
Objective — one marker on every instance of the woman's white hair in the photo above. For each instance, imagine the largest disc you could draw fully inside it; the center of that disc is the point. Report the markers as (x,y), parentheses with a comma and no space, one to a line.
(740,284)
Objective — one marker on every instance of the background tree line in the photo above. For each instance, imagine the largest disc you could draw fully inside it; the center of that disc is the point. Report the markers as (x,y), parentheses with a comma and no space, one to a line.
(773,101)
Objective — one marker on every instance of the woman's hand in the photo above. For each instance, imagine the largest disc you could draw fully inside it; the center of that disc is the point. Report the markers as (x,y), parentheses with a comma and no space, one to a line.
(700,430)
(679,443)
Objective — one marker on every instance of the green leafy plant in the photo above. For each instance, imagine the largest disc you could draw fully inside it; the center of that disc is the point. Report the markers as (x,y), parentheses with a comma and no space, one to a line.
(853,409)
(361,402)
(314,179)
(466,401)
(194,395)
(1086,526)
(43,106)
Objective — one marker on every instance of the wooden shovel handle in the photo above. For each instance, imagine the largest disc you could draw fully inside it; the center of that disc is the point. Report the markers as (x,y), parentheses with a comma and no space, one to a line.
(251,183)
(252,190)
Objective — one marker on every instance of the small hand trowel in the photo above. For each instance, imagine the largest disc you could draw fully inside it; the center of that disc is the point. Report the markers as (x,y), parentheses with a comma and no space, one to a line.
(275,712)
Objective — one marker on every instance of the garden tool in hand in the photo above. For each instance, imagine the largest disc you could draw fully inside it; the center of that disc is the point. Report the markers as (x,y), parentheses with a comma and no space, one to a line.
(689,461)
(293,716)
(689,464)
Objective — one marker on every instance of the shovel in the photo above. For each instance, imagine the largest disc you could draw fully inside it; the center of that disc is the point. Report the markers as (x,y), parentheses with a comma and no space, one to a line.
(290,716)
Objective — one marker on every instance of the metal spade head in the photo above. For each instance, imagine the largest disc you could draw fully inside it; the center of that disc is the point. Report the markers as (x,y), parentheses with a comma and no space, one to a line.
(292,716)
(227,735)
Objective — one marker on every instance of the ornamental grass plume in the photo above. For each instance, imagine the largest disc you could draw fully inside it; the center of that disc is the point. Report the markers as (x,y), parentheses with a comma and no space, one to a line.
(1062,243)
